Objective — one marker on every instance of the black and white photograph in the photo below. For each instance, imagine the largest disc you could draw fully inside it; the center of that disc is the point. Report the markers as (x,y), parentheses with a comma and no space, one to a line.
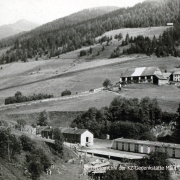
(89,90)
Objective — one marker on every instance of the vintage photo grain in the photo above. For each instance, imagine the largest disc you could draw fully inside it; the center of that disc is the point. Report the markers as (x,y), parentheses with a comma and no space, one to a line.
(89,90)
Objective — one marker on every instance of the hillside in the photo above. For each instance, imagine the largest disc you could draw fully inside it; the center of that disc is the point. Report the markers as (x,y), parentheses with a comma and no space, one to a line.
(19,26)
(62,23)
(70,37)
(80,77)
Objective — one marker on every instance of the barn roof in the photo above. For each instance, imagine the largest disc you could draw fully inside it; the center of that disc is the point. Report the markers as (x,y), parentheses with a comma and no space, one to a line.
(65,130)
(140,71)
(149,71)
(128,72)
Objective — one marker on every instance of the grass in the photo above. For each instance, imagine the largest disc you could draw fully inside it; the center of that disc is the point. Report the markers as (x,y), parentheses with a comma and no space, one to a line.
(149,31)
(84,80)
(97,100)
(166,95)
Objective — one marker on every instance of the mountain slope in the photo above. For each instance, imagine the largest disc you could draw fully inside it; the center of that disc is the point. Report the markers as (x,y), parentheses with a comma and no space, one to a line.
(74,18)
(19,26)
(63,36)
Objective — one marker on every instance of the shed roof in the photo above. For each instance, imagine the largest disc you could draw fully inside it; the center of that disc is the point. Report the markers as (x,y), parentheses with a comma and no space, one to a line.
(161,77)
(152,143)
(176,72)
(166,74)
(66,130)
(39,129)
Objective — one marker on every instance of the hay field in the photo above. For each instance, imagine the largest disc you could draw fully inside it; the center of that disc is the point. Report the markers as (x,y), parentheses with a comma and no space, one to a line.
(149,31)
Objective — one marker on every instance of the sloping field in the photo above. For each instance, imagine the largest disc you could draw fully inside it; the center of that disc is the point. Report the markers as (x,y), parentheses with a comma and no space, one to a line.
(149,31)
(97,100)
(87,79)
(58,118)
(114,43)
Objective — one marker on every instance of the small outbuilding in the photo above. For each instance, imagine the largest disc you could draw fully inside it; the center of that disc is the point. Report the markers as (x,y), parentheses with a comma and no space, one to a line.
(176,76)
(46,132)
(75,135)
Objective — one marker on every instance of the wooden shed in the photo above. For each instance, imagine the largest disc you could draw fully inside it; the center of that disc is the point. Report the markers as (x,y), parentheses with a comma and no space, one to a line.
(75,135)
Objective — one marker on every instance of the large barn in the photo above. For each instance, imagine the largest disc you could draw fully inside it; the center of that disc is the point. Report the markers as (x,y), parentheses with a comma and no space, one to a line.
(75,135)
(144,75)
(145,147)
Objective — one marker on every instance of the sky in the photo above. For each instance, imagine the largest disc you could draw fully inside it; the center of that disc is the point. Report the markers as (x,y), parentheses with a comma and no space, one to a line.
(43,11)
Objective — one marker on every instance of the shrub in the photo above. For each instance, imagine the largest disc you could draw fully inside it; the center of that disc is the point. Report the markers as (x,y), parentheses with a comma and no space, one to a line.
(82,53)
(27,143)
(18,98)
(66,93)
(106,83)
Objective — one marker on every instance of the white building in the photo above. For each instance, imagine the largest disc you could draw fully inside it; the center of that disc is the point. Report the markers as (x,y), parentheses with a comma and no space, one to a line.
(176,76)
(75,135)
(145,147)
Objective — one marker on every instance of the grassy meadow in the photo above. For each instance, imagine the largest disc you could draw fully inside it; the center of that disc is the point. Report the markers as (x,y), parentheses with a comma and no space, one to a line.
(85,73)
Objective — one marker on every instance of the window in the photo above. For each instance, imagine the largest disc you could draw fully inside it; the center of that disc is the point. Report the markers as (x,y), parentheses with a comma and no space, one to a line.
(173,153)
(136,147)
(122,146)
(128,146)
(116,145)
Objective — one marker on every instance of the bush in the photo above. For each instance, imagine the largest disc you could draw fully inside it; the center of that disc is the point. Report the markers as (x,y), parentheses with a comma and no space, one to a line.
(106,83)
(27,143)
(82,53)
(66,93)
(19,98)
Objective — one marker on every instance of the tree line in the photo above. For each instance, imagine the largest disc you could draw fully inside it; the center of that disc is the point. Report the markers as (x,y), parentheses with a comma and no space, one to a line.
(128,118)
(165,45)
(53,42)
(19,97)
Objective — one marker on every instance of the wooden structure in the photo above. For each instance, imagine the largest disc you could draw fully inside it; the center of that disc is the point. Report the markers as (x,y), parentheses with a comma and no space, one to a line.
(145,147)
(75,135)
(143,75)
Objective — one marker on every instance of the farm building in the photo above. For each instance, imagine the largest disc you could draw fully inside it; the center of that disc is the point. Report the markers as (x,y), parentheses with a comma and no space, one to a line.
(44,131)
(144,75)
(145,147)
(75,135)
(176,76)
(72,135)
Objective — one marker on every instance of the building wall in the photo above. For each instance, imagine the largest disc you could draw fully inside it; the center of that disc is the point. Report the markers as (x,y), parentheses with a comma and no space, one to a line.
(145,149)
(177,153)
(161,82)
(176,77)
(85,135)
(72,138)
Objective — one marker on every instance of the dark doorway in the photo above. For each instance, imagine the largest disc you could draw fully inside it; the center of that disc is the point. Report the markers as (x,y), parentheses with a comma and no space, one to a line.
(87,139)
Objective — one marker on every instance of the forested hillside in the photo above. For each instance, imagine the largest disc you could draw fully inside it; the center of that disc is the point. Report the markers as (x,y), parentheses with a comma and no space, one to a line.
(68,37)
(61,23)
